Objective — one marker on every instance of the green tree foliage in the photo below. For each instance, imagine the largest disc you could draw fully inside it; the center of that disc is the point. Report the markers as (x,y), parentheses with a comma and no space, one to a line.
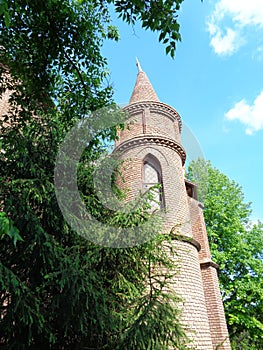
(156,15)
(57,290)
(52,51)
(7,229)
(237,246)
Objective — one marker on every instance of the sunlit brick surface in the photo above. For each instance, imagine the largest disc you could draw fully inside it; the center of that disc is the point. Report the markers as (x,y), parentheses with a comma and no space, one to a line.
(155,130)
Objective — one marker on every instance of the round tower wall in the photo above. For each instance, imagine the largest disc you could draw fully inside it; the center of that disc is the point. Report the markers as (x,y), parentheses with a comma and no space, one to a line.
(172,179)
(151,119)
(188,280)
(152,141)
(134,127)
(154,132)
(189,285)
(161,124)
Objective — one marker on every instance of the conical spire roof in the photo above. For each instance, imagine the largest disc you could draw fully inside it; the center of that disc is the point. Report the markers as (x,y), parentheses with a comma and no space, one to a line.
(143,90)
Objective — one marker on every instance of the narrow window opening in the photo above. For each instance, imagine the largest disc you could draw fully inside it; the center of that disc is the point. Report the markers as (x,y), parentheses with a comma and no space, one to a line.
(152,177)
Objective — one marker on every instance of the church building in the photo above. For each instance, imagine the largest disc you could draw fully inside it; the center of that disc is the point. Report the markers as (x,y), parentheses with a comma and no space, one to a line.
(153,148)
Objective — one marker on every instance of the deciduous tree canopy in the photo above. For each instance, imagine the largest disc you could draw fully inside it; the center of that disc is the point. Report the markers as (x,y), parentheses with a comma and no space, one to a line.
(57,290)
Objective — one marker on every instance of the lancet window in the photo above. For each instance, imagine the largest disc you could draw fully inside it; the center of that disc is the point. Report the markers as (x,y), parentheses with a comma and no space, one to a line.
(151,177)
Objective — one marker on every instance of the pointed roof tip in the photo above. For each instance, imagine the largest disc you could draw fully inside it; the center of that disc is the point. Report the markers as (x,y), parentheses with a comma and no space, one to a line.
(138,65)
(143,90)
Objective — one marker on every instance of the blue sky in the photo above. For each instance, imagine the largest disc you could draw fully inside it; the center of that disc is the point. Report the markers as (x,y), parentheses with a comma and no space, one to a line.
(215,82)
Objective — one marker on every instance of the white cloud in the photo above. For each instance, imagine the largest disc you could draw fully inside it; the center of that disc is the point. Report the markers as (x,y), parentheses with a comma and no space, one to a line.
(225,44)
(249,115)
(241,13)
(258,54)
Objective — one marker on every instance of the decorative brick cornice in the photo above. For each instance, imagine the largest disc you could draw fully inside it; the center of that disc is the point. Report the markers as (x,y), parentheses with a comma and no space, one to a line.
(152,139)
(158,107)
(189,240)
(207,263)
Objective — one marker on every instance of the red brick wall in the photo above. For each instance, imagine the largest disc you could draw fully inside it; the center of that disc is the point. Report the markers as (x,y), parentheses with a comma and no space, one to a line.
(213,298)
(134,148)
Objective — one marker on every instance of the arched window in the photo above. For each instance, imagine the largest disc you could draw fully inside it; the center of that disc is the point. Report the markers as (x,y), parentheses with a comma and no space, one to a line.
(152,177)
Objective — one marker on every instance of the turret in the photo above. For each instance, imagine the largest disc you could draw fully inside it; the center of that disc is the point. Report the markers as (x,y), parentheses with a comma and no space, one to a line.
(152,153)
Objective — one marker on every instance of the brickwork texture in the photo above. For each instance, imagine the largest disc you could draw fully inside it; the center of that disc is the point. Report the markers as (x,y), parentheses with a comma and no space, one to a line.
(154,131)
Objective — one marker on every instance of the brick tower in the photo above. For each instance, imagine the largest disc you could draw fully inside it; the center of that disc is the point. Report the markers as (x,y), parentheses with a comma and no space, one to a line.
(153,154)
